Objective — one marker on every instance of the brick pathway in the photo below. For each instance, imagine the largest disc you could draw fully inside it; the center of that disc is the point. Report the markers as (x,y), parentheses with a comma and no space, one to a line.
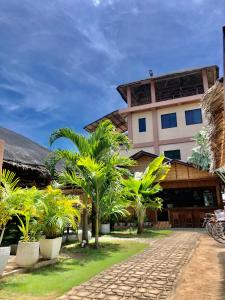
(149,275)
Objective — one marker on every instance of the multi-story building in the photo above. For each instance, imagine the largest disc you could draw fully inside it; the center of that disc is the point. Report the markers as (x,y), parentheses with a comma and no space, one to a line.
(163,113)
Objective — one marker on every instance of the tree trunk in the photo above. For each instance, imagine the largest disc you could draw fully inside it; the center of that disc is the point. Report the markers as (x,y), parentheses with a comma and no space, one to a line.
(2,234)
(141,212)
(140,227)
(93,218)
(84,241)
(96,228)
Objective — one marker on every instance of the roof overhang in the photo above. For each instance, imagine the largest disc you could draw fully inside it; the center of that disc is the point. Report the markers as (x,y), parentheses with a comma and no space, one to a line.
(119,121)
(122,89)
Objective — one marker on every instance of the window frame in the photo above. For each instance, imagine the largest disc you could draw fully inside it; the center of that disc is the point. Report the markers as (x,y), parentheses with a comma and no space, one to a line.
(163,126)
(140,129)
(192,121)
(173,151)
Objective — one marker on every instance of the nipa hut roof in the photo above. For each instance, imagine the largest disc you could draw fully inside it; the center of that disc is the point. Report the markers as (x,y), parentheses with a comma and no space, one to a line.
(213,110)
(22,152)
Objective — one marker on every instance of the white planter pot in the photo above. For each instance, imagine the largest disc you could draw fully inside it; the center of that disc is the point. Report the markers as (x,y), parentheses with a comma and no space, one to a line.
(105,228)
(27,254)
(4,256)
(49,248)
(79,235)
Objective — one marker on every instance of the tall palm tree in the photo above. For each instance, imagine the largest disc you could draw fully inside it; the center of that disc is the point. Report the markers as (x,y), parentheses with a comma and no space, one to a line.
(98,147)
(98,178)
(144,187)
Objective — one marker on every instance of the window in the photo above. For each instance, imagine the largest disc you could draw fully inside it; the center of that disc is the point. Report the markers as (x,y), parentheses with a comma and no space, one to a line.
(193,116)
(169,120)
(173,154)
(142,124)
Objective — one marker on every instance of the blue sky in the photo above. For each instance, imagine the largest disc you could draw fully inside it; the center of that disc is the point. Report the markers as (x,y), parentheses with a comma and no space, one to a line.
(61,60)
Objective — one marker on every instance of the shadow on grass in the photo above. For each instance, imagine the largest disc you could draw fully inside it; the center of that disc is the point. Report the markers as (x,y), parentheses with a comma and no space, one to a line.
(148,233)
(78,257)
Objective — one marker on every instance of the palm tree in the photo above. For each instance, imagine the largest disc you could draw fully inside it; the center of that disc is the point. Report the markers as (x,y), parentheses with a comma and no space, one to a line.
(144,187)
(99,147)
(98,178)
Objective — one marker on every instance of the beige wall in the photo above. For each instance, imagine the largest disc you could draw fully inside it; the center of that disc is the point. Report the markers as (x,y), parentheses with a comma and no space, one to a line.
(2,143)
(142,137)
(182,130)
(133,151)
(185,149)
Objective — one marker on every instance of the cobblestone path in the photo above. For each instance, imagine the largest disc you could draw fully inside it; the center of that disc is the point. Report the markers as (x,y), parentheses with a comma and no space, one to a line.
(149,275)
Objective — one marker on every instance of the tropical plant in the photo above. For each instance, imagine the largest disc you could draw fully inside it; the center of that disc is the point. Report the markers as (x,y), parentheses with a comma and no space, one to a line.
(8,186)
(114,203)
(50,163)
(98,148)
(144,187)
(26,203)
(57,211)
(200,155)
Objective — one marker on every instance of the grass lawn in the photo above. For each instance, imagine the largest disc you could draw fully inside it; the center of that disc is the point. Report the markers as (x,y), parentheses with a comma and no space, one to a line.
(148,233)
(51,282)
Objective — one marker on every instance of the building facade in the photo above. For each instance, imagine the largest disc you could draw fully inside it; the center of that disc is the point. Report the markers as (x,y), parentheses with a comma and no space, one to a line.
(163,113)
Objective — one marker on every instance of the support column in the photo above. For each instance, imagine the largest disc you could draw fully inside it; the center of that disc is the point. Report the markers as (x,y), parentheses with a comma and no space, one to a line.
(153,93)
(155,129)
(130,127)
(128,96)
(205,81)
(2,144)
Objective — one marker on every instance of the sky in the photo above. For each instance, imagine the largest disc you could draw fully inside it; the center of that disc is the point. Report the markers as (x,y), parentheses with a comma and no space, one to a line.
(61,60)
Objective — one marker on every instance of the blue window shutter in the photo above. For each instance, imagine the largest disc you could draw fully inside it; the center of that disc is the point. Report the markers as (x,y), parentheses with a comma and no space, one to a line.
(193,116)
(169,120)
(142,124)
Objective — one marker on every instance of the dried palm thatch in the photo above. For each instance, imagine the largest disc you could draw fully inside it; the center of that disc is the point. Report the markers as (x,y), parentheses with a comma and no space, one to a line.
(24,157)
(213,110)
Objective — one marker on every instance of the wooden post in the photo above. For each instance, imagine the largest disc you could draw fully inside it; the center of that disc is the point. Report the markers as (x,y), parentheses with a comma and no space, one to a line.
(2,144)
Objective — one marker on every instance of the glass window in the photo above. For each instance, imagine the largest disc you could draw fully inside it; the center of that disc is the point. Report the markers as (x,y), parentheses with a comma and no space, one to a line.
(142,124)
(173,154)
(169,120)
(193,116)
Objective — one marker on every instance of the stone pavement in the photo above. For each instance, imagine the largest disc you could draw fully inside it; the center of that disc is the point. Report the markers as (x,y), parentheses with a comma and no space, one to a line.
(151,274)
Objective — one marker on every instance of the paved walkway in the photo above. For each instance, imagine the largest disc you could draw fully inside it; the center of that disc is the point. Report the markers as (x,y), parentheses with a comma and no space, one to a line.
(149,275)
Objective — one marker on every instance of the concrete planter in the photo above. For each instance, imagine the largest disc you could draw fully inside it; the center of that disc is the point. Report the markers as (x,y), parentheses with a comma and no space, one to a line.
(105,228)
(27,254)
(49,248)
(79,235)
(4,256)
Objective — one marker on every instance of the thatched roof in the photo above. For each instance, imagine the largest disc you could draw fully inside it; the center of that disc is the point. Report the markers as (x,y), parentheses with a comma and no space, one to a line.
(213,109)
(22,152)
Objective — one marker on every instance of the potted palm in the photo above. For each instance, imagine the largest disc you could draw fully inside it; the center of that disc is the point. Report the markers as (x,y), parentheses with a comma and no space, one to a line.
(26,203)
(57,212)
(8,185)
(113,204)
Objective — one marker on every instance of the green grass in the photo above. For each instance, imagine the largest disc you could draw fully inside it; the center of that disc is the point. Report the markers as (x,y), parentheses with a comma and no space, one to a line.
(148,233)
(51,282)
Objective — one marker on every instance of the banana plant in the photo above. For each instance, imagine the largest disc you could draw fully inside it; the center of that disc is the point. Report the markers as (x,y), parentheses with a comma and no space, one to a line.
(144,187)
